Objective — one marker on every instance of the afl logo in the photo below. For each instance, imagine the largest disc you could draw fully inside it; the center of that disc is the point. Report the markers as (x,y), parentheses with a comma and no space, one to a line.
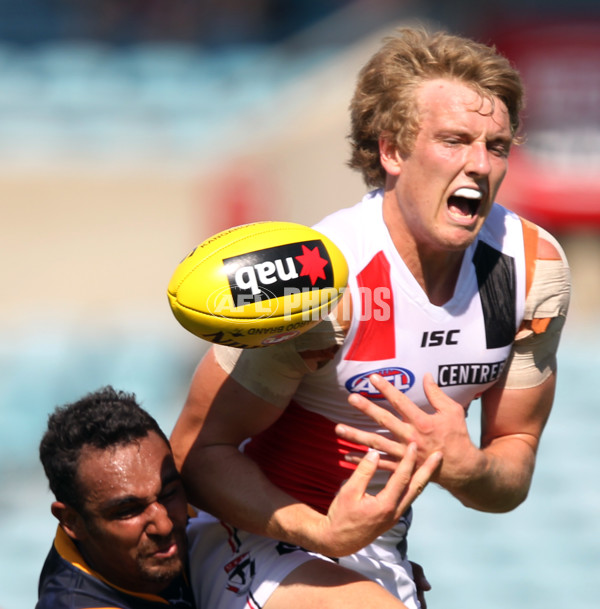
(401,378)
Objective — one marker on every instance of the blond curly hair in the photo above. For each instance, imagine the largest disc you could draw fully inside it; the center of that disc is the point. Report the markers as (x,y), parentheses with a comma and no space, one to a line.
(384,98)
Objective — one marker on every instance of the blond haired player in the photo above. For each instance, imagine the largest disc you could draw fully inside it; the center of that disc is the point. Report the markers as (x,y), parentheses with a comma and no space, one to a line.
(451,298)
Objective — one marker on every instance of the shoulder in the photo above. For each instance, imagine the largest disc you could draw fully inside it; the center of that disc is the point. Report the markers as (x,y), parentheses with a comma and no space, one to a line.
(548,247)
(503,230)
(64,586)
(358,231)
(508,232)
(548,274)
(362,214)
(67,583)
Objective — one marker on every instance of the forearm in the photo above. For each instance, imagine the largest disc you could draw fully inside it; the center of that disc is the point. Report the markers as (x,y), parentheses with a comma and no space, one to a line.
(512,424)
(219,414)
(229,485)
(234,489)
(496,478)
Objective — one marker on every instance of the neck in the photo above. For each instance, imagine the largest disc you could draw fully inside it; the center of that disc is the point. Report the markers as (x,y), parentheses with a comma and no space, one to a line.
(438,279)
(435,270)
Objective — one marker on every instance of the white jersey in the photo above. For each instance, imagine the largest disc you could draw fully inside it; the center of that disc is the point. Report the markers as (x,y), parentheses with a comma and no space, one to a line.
(396,332)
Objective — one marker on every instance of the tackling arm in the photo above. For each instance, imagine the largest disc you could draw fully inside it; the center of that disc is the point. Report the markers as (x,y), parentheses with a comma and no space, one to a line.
(219,415)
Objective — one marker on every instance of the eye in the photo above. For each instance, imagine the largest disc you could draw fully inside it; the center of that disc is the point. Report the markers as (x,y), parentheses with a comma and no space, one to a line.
(171,491)
(127,511)
(500,149)
(453,141)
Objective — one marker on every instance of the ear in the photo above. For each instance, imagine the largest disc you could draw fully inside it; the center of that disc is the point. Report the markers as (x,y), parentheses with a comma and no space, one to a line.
(70,520)
(389,156)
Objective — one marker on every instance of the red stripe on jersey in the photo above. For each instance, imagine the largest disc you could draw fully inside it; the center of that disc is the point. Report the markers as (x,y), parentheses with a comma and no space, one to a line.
(232,539)
(301,454)
(375,337)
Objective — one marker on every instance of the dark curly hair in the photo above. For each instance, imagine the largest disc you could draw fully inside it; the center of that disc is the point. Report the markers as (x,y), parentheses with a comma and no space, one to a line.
(101,419)
(384,98)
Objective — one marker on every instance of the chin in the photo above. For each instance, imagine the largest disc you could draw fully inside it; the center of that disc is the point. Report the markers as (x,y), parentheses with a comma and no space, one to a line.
(163,573)
(458,243)
(460,237)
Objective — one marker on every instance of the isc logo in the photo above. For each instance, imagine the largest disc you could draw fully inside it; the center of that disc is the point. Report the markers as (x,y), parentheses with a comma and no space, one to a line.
(439,337)
(401,378)
(265,274)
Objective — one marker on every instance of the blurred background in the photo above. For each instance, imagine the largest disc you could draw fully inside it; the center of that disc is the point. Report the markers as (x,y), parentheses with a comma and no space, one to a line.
(130,130)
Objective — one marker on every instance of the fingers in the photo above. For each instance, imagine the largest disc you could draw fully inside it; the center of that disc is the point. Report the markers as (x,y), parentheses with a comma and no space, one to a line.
(421,582)
(438,399)
(419,577)
(384,418)
(420,480)
(385,462)
(372,440)
(359,480)
(399,482)
(366,406)
(402,404)
(405,484)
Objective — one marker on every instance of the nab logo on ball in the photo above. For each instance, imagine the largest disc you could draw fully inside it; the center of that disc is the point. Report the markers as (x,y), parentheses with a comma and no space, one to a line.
(258,284)
(401,378)
(269,273)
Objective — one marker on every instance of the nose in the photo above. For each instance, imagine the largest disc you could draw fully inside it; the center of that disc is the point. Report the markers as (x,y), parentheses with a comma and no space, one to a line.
(478,160)
(159,520)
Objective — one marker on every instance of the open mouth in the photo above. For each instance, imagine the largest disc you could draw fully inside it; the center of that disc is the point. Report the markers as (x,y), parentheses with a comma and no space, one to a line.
(464,203)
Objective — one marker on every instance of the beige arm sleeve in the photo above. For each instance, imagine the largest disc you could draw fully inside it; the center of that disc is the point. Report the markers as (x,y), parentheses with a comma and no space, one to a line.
(533,358)
(273,373)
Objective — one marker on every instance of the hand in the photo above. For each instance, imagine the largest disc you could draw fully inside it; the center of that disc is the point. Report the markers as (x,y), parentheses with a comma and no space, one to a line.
(356,518)
(445,430)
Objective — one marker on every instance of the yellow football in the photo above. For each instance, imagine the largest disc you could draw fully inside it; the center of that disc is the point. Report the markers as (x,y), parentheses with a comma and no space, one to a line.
(257,284)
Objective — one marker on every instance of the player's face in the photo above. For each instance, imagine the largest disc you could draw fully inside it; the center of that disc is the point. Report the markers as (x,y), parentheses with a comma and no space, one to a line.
(132,531)
(446,186)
